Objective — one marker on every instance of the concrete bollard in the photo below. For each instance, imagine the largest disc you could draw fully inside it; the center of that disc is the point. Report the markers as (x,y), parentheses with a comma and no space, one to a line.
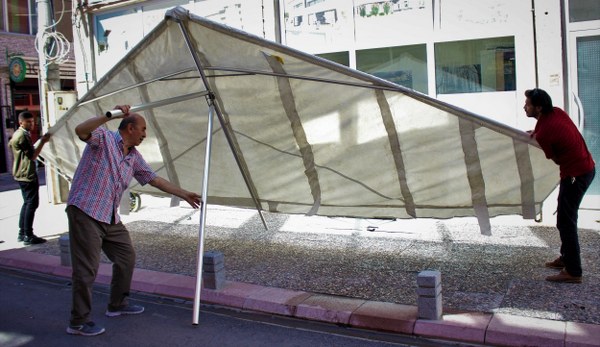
(65,250)
(429,292)
(213,270)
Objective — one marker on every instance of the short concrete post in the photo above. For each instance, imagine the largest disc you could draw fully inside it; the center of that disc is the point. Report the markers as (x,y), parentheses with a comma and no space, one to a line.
(65,250)
(213,270)
(429,290)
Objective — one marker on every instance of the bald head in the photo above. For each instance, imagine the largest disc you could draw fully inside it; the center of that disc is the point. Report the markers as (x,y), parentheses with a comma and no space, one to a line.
(133,129)
(132,118)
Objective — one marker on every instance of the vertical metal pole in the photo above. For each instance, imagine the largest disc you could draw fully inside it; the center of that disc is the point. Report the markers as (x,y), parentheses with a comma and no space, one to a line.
(204,198)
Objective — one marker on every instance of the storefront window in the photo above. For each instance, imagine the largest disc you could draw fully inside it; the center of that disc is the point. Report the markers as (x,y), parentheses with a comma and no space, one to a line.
(475,66)
(406,65)
(338,57)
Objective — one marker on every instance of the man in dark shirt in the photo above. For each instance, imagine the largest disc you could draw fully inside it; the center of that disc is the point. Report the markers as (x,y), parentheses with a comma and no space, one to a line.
(25,172)
(562,142)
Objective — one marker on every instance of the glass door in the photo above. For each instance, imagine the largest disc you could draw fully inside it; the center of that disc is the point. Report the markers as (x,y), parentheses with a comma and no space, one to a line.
(585,97)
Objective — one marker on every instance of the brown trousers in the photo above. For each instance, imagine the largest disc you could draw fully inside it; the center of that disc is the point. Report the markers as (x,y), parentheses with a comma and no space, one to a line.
(87,238)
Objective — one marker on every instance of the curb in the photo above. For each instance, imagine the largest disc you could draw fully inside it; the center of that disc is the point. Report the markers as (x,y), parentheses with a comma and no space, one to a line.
(472,327)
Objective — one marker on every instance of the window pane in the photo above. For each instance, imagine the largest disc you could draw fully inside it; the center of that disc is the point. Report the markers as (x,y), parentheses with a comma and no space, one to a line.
(2,9)
(582,10)
(338,57)
(406,66)
(33,14)
(588,75)
(18,16)
(475,66)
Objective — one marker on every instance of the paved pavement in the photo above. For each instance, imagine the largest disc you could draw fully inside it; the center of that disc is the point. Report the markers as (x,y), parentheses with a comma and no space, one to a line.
(471,327)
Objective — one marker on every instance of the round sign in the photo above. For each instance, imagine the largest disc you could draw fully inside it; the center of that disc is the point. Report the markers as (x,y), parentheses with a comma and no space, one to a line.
(17,69)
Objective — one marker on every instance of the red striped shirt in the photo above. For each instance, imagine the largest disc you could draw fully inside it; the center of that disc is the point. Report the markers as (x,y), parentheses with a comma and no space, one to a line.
(562,142)
(104,173)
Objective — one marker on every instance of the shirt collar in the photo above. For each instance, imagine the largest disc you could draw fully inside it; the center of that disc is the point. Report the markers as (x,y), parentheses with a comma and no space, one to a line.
(119,141)
(25,131)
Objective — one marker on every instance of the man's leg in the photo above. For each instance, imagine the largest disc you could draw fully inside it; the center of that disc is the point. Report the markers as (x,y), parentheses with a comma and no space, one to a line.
(118,248)
(31,201)
(23,187)
(570,194)
(85,236)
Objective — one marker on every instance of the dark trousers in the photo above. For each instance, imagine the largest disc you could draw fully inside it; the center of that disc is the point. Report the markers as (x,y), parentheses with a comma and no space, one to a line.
(31,201)
(87,238)
(570,194)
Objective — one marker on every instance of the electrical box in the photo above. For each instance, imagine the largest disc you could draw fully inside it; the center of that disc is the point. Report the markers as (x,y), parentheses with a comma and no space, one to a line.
(59,102)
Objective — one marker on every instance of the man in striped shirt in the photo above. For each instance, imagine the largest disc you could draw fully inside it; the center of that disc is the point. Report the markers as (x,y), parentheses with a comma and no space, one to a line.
(562,142)
(109,162)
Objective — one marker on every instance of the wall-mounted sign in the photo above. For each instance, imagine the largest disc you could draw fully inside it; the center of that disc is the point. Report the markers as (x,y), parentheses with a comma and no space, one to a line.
(17,69)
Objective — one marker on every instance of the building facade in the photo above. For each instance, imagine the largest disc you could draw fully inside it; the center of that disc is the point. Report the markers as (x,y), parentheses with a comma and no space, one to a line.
(19,67)
(480,55)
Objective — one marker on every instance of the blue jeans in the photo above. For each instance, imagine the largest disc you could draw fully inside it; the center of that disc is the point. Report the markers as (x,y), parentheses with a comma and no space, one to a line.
(31,201)
(570,194)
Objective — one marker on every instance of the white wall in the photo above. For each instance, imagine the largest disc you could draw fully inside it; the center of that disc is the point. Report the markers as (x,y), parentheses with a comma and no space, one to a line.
(437,21)
(131,21)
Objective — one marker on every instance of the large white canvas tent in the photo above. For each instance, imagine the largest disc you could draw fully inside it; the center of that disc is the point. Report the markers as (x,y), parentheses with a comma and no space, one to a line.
(299,134)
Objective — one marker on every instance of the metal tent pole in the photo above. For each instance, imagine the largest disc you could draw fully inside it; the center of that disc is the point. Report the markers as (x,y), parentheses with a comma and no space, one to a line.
(203,205)
(159,103)
(223,123)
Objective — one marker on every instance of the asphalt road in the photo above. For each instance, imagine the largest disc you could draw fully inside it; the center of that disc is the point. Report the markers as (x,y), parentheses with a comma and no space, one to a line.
(35,309)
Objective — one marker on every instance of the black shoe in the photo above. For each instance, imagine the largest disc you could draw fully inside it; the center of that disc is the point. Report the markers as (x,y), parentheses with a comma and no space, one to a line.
(33,240)
(21,238)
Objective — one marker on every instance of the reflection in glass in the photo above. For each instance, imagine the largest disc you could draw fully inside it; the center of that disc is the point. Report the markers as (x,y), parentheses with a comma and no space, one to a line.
(338,57)
(475,66)
(583,10)
(406,65)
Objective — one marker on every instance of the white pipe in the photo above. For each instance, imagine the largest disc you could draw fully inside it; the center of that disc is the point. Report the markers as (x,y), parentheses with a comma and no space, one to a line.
(159,103)
(203,205)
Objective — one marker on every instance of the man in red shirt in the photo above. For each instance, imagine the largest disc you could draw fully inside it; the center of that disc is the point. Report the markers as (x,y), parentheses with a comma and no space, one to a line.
(562,142)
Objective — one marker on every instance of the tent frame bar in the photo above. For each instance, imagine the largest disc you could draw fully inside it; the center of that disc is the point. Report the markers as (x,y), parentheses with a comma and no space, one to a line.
(137,85)
(159,103)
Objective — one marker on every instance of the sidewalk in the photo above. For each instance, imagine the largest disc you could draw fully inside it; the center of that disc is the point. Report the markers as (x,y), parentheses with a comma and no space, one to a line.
(493,287)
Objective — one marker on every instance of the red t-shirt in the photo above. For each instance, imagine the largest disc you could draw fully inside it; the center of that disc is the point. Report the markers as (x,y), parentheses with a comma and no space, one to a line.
(562,142)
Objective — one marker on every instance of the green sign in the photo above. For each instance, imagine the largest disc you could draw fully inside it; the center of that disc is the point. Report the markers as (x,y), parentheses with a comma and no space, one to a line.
(17,69)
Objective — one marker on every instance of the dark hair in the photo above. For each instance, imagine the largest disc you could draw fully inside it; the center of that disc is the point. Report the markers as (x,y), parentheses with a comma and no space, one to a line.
(126,121)
(539,97)
(25,115)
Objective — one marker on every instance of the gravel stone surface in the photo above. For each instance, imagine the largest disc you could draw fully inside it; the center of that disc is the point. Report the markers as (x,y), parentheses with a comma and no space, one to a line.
(339,256)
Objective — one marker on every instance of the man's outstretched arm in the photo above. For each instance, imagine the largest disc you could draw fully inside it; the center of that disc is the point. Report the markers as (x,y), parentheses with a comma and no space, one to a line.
(192,198)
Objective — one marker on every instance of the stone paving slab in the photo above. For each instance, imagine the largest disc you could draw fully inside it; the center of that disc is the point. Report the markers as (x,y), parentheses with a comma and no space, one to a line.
(467,327)
(508,330)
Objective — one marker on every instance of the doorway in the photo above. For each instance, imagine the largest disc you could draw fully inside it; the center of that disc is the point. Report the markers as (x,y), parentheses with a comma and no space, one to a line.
(585,97)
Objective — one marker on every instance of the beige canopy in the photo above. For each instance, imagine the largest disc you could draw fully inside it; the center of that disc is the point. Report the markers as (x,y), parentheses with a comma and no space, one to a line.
(300,134)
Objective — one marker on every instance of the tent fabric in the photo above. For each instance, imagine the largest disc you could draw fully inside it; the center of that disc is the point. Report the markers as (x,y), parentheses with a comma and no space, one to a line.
(311,136)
